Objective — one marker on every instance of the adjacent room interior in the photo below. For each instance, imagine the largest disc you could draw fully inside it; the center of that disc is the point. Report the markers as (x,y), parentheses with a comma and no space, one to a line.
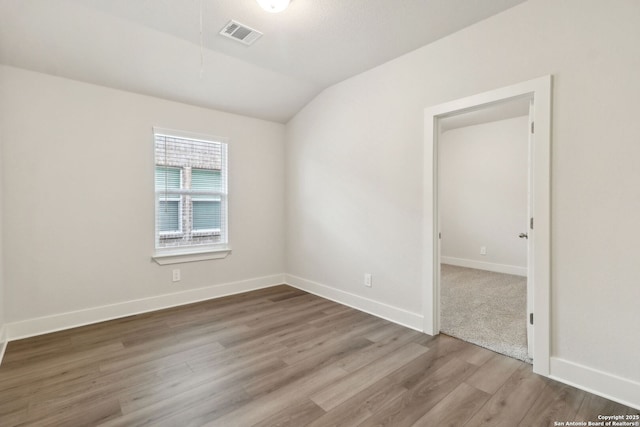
(213,213)
(484,215)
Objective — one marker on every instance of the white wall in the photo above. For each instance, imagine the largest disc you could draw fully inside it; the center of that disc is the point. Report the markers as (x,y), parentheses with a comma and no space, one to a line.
(483,195)
(78,199)
(354,169)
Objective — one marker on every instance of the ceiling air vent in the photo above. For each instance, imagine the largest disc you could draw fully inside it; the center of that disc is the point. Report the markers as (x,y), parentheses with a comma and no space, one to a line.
(240,32)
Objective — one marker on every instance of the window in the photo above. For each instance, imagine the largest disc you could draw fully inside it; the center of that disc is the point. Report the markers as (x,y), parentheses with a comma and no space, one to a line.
(190,193)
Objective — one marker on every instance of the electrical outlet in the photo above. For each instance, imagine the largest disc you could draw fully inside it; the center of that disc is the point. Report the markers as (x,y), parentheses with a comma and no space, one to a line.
(483,250)
(367,280)
(176,275)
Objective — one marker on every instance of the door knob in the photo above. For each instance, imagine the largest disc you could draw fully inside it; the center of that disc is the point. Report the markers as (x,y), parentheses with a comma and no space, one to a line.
(523,236)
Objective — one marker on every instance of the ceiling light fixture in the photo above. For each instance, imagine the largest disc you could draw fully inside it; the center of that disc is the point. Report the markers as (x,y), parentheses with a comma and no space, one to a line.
(273,6)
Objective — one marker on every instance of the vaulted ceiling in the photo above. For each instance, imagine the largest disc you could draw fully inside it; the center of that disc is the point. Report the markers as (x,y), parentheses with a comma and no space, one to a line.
(155,47)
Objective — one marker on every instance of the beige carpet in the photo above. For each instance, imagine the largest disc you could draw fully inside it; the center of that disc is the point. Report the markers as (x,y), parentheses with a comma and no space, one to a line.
(485,308)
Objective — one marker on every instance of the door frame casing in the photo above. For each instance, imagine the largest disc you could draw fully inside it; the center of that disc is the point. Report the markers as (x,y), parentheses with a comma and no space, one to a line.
(539,90)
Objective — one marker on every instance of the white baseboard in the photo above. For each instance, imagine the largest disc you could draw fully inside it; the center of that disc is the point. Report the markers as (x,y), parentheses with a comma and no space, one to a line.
(378,309)
(481,265)
(3,341)
(601,383)
(58,322)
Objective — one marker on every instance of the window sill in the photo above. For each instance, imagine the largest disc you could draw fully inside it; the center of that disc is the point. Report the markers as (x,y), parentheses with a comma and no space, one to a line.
(181,257)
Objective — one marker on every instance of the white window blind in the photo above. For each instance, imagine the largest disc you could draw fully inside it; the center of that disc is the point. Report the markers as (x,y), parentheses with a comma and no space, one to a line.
(169,202)
(190,192)
(207,210)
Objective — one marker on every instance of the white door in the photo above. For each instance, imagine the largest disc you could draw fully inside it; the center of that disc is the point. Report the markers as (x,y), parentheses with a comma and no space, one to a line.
(529,234)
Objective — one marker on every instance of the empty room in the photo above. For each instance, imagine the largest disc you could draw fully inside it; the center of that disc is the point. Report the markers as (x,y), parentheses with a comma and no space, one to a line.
(319,213)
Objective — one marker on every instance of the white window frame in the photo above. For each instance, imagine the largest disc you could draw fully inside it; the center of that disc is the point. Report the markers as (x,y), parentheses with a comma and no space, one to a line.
(183,254)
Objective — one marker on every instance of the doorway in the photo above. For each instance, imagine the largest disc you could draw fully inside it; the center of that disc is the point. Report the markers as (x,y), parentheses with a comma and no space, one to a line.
(483,199)
(538,91)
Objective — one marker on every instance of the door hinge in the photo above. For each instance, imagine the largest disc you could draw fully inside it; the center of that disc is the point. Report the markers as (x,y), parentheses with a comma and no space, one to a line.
(533,127)
(530,318)
(531,223)
(439,235)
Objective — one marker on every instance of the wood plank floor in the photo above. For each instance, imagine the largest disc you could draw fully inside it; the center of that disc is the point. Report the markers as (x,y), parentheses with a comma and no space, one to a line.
(274,357)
